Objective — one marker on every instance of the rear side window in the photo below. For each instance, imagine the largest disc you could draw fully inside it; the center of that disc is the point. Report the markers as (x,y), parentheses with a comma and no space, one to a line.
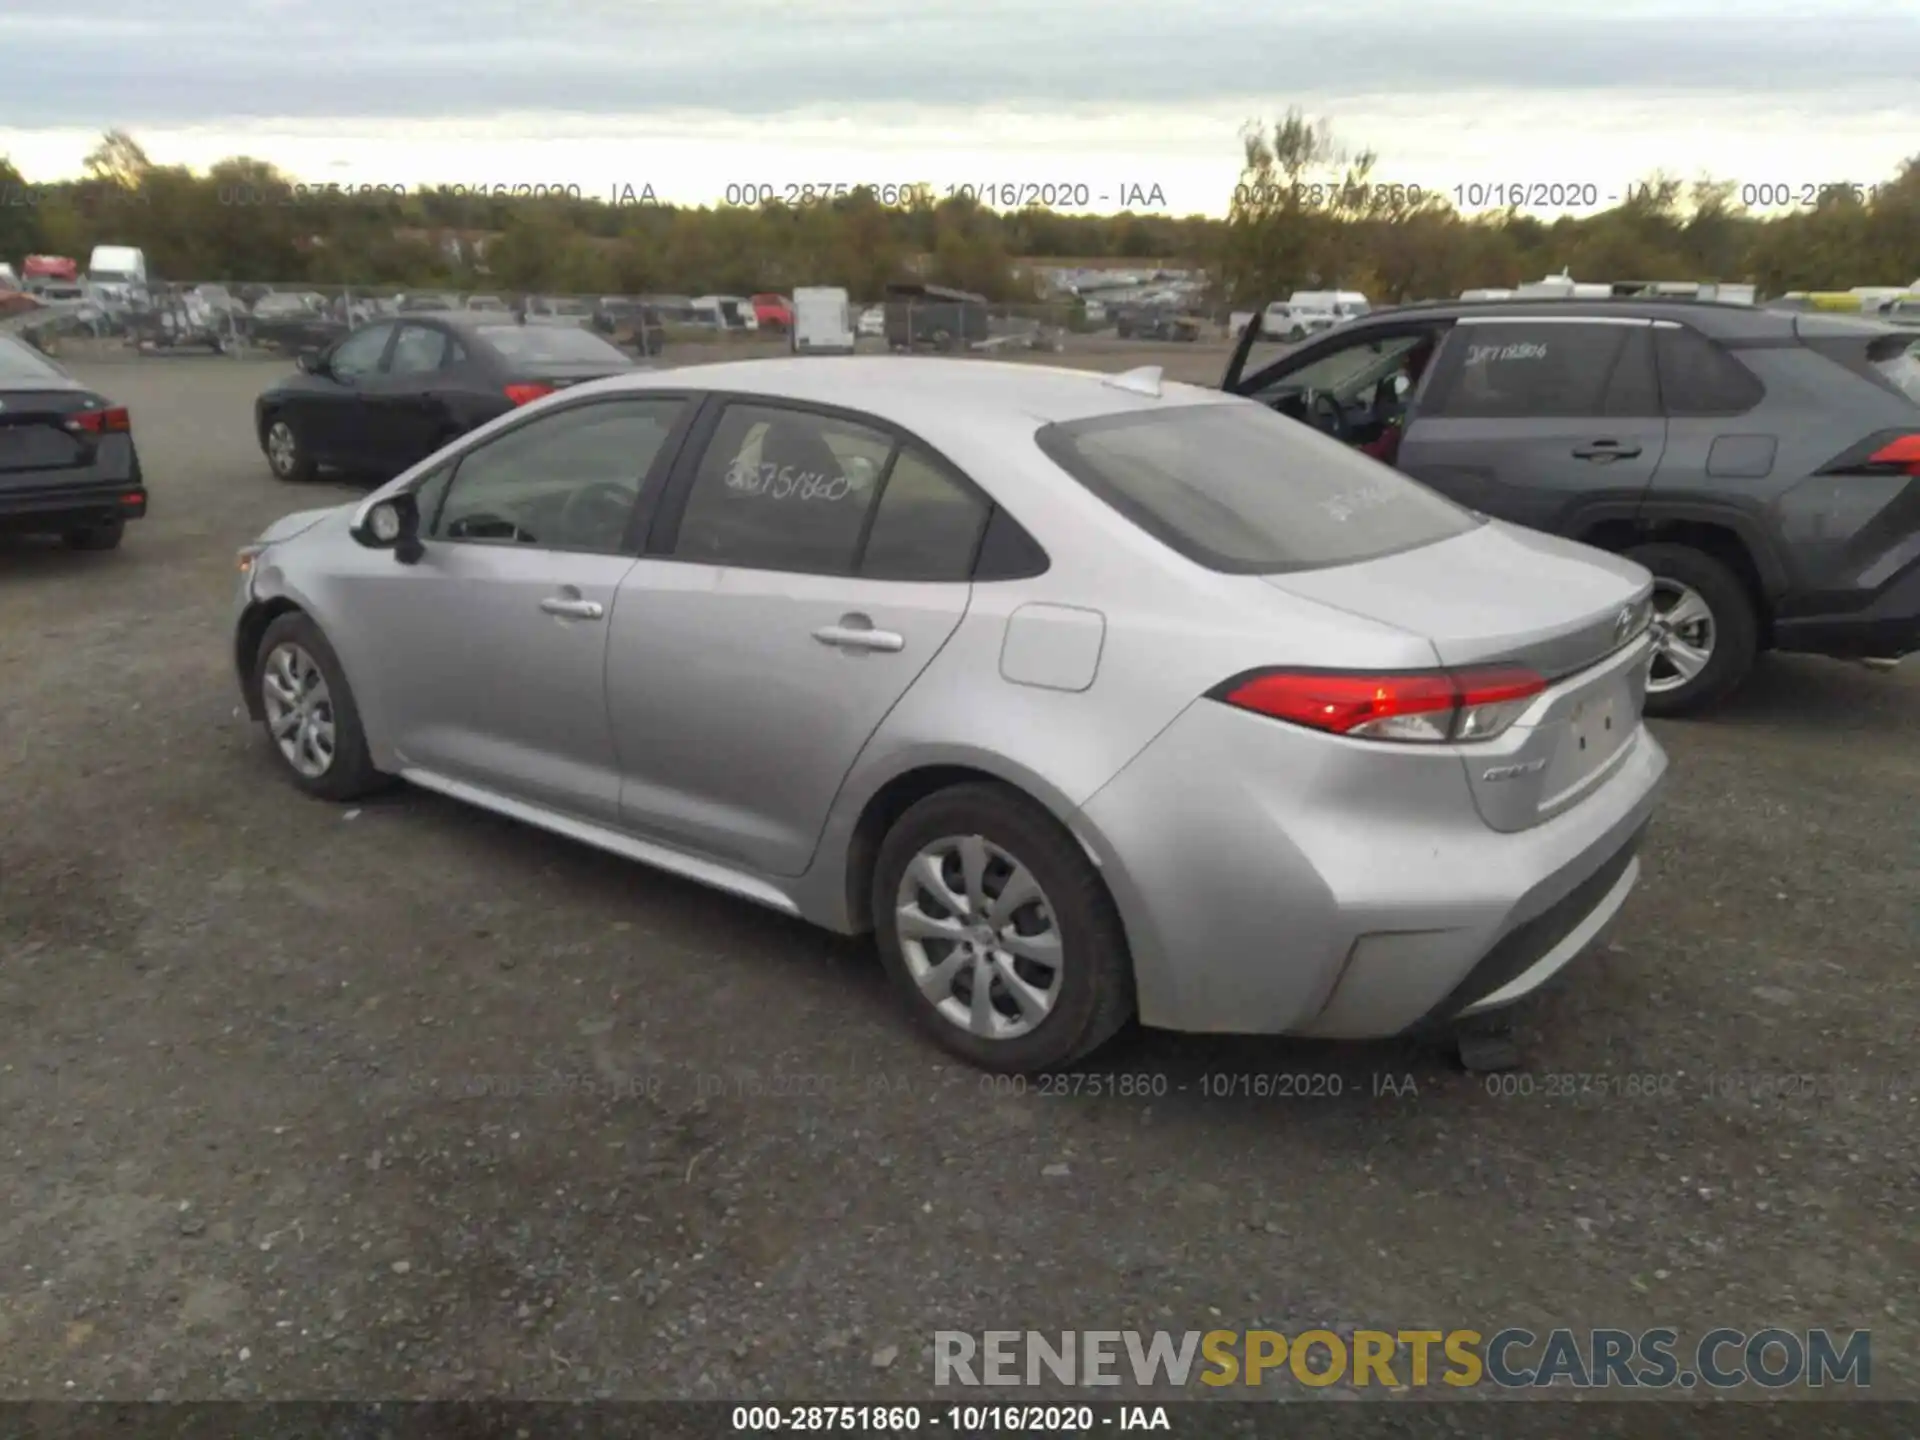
(1236,487)
(1535,372)
(1697,377)
(927,525)
(21,364)
(1900,368)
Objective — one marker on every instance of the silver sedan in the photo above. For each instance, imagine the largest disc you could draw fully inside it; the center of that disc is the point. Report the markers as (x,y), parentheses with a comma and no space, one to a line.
(1091,697)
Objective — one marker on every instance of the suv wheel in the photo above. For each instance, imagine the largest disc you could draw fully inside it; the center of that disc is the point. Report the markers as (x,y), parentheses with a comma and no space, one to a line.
(999,932)
(1706,631)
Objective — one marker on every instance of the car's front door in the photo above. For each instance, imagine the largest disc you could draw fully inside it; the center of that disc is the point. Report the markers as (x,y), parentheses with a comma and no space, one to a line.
(1533,419)
(1344,384)
(806,567)
(487,659)
(401,409)
(331,412)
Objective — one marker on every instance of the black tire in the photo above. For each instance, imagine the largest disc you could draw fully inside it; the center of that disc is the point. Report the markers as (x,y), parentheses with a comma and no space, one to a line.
(352,774)
(97,537)
(1736,626)
(1096,997)
(300,468)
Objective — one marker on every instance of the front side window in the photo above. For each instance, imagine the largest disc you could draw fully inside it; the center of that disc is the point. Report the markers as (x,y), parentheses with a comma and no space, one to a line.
(1238,488)
(1350,370)
(566,481)
(359,354)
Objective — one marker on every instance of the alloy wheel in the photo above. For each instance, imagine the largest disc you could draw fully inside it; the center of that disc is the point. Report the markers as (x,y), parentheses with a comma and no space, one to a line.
(299,709)
(283,451)
(1683,635)
(979,937)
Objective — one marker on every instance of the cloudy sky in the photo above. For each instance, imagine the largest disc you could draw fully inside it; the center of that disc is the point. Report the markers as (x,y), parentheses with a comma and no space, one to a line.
(692,97)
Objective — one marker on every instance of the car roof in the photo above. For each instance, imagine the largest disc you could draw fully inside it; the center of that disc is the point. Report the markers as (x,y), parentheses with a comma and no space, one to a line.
(927,394)
(1721,319)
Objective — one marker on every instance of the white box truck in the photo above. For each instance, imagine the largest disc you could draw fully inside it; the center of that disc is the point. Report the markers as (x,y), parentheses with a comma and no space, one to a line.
(822,321)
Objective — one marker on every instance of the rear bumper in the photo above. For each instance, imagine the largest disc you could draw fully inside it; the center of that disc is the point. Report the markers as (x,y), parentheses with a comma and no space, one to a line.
(1292,884)
(1887,627)
(49,508)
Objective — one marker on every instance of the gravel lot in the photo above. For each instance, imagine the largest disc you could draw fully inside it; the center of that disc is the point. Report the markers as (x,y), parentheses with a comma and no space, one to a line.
(410,1101)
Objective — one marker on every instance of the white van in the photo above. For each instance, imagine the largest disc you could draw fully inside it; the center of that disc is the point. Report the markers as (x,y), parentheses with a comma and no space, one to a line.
(822,321)
(1311,311)
(117,273)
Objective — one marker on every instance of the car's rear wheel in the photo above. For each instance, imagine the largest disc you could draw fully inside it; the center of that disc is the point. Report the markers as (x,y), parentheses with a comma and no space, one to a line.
(105,536)
(999,931)
(311,718)
(286,452)
(1706,629)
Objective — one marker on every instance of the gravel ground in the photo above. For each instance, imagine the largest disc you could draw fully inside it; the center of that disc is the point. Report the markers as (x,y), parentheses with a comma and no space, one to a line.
(406,1100)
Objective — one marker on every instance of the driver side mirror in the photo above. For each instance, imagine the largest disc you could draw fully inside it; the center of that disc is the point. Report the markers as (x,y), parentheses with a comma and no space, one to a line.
(312,362)
(393,524)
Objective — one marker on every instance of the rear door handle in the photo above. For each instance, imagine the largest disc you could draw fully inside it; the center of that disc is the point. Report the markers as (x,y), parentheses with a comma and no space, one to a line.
(573,608)
(1605,450)
(860,637)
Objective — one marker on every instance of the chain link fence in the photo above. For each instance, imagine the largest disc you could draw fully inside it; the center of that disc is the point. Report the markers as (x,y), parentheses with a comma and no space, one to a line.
(254,321)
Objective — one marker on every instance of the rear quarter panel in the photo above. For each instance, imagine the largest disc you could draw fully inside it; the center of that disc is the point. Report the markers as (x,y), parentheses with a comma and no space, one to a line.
(1805,530)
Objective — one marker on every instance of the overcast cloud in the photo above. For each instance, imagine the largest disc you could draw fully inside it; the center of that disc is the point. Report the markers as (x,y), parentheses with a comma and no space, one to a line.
(210,62)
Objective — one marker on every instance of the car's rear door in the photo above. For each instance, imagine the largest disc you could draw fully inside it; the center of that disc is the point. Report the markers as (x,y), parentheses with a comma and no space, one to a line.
(1535,419)
(806,567)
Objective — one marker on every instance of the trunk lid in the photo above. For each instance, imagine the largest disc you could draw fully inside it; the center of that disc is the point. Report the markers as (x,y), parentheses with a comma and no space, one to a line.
(1501,595)
(34,438)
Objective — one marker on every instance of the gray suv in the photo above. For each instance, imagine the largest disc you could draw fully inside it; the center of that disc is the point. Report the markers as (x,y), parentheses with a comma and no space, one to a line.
(1764,466)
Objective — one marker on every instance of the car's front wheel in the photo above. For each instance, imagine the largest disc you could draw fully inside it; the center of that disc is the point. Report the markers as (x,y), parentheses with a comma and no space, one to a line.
(310,714)
(999,931)
(1706,629)
(286,452)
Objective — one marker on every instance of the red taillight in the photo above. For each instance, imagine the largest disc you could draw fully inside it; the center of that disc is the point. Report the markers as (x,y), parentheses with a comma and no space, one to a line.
(527,394)
(111,421)
(1429,707)
(1903,453)
(1888,453)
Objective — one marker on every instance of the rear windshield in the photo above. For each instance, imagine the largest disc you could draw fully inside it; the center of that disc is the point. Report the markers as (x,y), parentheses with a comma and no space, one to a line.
(561,344)
(1901,369)
(23,365)
(1239,488)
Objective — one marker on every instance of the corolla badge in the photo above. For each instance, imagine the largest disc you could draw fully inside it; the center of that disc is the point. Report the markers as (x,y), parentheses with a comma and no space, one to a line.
(1513,772)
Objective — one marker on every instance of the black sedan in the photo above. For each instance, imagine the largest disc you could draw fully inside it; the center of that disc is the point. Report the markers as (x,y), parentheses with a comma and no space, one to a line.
(287,320)
(67,462)
(395,391)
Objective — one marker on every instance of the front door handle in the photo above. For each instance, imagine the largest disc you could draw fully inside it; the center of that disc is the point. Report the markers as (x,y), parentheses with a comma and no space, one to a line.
(1605,450)
(571,607)
(856,632)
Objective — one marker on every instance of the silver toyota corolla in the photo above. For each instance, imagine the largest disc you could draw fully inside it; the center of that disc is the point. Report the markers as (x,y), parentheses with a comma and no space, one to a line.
(1091,696)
